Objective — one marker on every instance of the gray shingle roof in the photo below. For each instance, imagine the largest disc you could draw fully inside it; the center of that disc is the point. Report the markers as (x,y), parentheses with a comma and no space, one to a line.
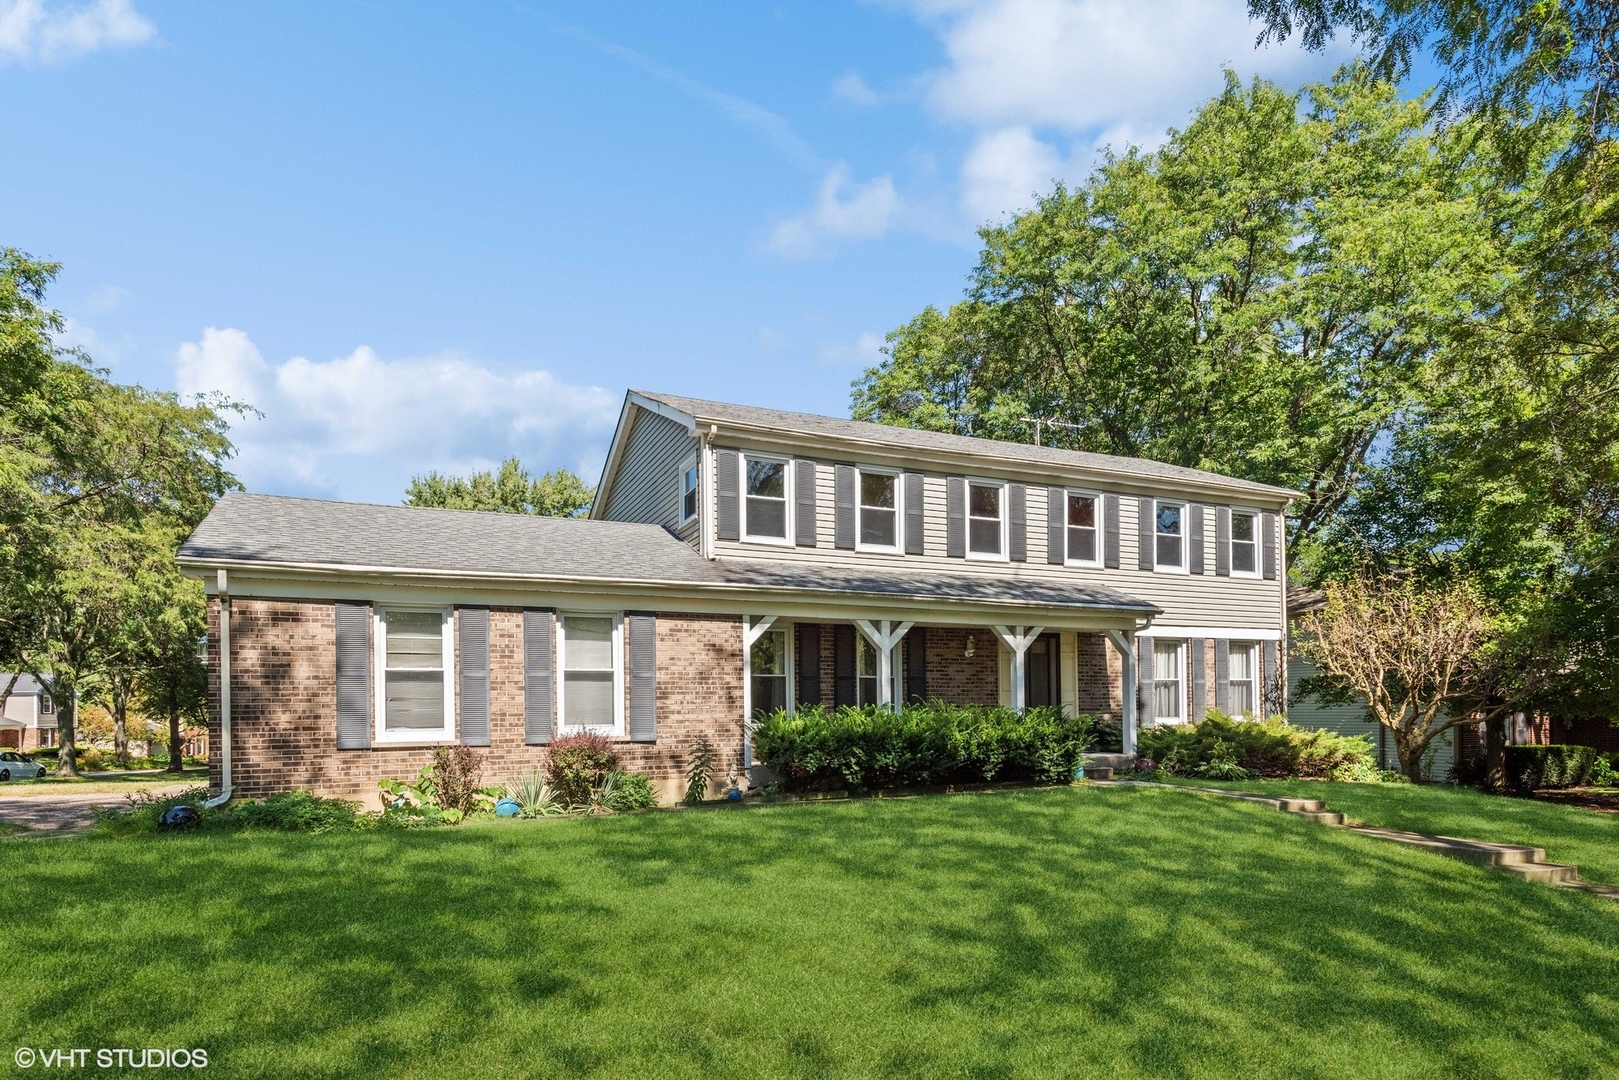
(27,685)
(914,439)
(274,529)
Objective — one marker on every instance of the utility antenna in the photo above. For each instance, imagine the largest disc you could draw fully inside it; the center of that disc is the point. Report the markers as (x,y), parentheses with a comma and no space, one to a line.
(1039,421)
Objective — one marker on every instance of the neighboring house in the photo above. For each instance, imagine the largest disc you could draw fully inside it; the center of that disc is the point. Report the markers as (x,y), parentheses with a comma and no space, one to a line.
(736,560)
(27,715)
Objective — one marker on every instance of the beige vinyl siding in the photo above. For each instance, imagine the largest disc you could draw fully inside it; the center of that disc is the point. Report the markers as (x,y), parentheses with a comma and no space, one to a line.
(1351,718)
(646,486)
(1197,600)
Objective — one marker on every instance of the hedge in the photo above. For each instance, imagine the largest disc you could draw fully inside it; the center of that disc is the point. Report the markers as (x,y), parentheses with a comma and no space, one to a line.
(1532,767)
(868,748)
(1227,749)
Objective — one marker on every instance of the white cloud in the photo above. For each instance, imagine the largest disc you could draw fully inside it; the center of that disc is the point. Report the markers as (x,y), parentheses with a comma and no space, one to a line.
(360,426)
(1005,170)
(30,32)
(852,88)
(842,210)
(864,352)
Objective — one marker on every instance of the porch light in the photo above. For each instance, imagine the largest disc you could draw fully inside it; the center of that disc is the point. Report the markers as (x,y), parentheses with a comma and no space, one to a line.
(972,646)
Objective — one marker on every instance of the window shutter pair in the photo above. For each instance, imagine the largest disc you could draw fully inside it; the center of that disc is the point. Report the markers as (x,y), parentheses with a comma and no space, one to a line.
(1194,537)
(1196,654)
(843,510)
(809,664)
(1222,675)
(1146,695)
(472,627)
(1145,534)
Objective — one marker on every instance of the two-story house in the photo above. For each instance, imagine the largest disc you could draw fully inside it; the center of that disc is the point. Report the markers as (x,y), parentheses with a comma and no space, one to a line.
(736,560)
(27,714)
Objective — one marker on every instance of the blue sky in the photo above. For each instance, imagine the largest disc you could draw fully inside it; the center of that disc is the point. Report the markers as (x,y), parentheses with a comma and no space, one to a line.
(421,235)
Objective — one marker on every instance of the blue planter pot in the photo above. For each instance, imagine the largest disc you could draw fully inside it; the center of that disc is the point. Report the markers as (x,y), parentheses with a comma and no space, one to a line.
(507,808)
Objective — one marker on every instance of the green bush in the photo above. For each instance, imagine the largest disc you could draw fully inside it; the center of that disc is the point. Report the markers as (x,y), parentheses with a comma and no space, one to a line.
(868,748)
(630,791)
(290,811)
(1532,767)
(1223,748)
(578,765)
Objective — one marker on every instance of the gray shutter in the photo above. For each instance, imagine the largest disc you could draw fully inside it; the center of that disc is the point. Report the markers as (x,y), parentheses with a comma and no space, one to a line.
(727,476)
(1195,657)
(473,624)
(1267,702)
(1144,534)
(1222,542)
(809,664)
(353,676)
(539,677)
(955,517)
(1017,522)
(1222,675)
(843,506)
(1110,531)
(915,520)
(916,665)
(1194,538)
(1267,522)
(1056,526)
(1146,698)
(804,498)
(643,633)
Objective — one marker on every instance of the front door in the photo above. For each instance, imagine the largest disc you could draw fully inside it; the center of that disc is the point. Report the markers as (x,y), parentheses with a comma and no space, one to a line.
(1042,667)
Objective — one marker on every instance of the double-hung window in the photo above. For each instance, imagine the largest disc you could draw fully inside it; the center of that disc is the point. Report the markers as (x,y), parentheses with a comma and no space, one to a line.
(415,701)
(1244,543)
(986,520)
(765,502)
(1243,674)
(879,510)
(688,491)
(866,670)
(1083,548)
(1169,536)
(1168,680)
(767,668)
(591,656)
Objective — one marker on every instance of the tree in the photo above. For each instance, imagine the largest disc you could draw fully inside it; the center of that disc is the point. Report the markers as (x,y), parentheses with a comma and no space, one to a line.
(172,680)
(513,490)
(1412,653)
(1259,297)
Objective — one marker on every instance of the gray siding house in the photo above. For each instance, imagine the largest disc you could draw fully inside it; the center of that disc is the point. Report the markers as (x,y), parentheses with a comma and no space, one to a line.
(736,560)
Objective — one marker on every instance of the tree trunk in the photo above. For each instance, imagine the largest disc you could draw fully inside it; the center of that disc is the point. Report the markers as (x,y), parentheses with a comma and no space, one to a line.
(1495,752)
(176,764)
(1410,752)
(120,728)
(67,714)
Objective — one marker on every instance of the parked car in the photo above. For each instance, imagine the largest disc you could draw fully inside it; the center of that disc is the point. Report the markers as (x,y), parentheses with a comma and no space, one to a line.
(15,766)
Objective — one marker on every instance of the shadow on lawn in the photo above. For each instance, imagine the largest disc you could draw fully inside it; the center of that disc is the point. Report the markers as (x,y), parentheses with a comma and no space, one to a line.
(1176,934)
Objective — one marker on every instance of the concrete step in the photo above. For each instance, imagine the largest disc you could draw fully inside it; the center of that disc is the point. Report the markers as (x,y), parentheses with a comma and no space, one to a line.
(1545,873)
(1098,772)
(1116,762)
(1290,805)
(1473,851)
(1320,817)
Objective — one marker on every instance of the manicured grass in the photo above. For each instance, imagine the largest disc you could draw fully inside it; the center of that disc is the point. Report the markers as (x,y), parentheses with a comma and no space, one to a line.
(1085,931)
(90,785)
(1569,834)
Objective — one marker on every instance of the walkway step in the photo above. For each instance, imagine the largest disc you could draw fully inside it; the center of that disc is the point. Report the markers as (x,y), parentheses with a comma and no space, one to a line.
(1545,873)
(1473,851)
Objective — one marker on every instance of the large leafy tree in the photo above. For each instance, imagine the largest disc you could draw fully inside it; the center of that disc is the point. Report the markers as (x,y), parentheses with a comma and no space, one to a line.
(511,490)
(1259,297)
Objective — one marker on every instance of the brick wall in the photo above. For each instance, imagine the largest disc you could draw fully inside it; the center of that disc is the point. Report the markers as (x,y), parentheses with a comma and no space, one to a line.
(284,693)
(1101,676)
(960,679)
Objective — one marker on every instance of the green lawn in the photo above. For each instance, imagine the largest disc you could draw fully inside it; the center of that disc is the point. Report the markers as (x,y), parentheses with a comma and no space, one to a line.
(1083,931)
(1569,834)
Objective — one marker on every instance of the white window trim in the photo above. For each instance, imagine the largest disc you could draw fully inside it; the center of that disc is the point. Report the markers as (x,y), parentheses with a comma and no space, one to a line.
(1255,661)
(1096,499)
(617,730)
(982,556)
(1181,696)
(898,546)
(787,489)
(680,492)
(1259,543)
(379,664)
(1185,566)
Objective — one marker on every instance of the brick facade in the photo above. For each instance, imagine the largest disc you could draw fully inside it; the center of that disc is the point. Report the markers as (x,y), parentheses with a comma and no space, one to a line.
(1101,677)
(284,694)
(960,679)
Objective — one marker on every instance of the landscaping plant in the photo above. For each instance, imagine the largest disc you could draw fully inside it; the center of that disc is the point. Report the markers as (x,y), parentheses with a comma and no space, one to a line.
(579,765)
(699,770)
(1223,748)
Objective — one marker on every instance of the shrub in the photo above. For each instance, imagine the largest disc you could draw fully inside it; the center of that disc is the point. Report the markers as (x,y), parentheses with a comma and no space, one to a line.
(1532,767)
(630,791)
(700,770)
(818,749)
(579,764)
(1224,748)
(535,796)
(291,811)
(456,770)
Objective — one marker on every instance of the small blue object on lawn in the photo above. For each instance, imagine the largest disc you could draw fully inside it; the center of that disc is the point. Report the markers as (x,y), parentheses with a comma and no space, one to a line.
(1079,772)
(507,808)
(179,817)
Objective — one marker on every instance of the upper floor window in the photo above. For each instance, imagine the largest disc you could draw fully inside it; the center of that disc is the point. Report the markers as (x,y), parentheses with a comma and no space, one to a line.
(765,504)
(46,705)
(1243,672)
(415,702)
(879,510)
(591,660)
(1168,680)
(1169,536)
(986,524)
(688,492)
(1244,542)
(1082,545)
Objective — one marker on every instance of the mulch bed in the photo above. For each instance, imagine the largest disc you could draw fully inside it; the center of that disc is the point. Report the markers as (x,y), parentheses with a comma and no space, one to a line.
(1602,800)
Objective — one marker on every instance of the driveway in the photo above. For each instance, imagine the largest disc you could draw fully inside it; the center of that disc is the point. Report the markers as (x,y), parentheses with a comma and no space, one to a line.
(65,813)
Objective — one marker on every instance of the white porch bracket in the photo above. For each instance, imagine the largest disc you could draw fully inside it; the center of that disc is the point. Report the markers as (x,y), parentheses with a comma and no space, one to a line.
(885,637)
(1018,639)
(754,629)
(1125,644)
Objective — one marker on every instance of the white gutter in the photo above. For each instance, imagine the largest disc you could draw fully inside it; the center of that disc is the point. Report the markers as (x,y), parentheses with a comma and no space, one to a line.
(224,694)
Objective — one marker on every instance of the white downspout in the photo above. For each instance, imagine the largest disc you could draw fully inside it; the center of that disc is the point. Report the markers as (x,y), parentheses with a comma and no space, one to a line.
(224,694)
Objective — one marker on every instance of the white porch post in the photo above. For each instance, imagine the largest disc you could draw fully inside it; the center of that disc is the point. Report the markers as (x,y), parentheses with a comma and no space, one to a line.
(1126,645)
(885,638)
(752,630)
(1018,639)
